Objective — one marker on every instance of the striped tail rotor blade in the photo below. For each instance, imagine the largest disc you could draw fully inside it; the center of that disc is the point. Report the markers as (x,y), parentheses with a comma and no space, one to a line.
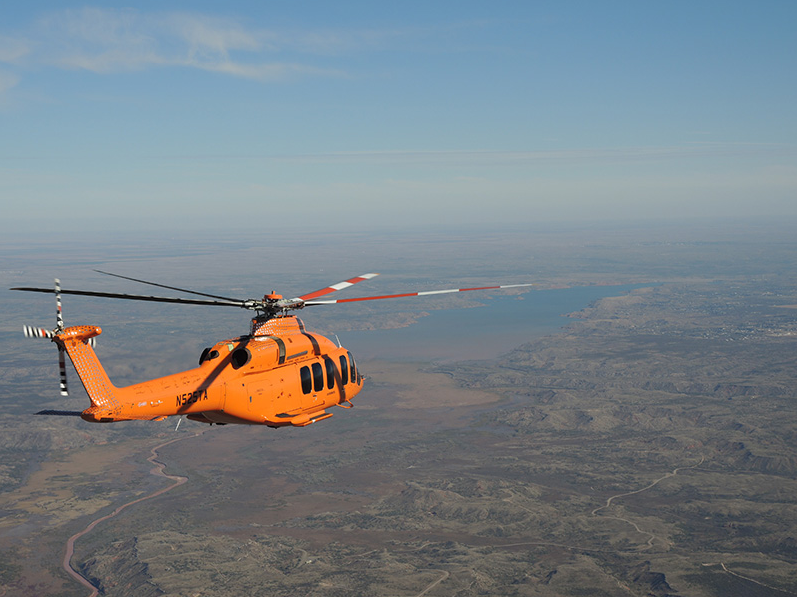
(59,318)
(34,332)
(62,370)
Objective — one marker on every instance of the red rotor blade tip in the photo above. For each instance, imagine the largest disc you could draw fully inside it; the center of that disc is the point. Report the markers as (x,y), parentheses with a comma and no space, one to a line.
(338,286)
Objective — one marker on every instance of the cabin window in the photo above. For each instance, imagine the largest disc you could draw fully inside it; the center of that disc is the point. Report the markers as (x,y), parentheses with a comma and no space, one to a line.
(240,357)
(330,366)
(307,380)
(344,370)
(318,377)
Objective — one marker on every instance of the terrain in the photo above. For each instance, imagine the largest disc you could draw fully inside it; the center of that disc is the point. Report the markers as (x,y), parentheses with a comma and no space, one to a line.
(649,448)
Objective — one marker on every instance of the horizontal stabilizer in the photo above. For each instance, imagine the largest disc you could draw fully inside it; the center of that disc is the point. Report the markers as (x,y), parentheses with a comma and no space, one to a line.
(61,413)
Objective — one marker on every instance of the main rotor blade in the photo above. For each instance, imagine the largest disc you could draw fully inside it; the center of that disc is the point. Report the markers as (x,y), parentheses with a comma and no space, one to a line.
(338,286)
(138,297)
(224,298)
(423,293)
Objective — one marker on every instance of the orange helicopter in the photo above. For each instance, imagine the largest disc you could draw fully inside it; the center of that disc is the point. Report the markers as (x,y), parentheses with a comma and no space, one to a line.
(277,375)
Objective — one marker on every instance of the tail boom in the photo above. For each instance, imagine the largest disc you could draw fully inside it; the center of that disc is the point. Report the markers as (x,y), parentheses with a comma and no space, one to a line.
(154,400)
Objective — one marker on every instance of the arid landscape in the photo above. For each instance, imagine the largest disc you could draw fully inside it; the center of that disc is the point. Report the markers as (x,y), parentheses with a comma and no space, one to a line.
(647,448)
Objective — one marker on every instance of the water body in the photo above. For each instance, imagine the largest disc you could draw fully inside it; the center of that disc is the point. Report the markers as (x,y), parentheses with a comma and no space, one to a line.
(485,332)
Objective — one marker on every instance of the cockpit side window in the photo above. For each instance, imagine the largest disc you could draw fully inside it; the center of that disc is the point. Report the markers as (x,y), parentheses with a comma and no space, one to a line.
(352,368)
(344,370)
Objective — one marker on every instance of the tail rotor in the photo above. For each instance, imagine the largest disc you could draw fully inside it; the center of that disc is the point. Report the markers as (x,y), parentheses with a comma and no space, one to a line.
(38,332)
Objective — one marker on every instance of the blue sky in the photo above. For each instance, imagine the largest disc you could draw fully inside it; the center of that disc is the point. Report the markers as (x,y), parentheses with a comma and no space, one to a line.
(366,114)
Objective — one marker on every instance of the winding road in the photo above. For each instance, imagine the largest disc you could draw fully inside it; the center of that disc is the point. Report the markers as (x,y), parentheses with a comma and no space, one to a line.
(444,576)
(609,500)
(157,471)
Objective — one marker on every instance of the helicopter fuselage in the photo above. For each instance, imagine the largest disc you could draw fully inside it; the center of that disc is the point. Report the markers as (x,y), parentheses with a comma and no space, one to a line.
(279,375)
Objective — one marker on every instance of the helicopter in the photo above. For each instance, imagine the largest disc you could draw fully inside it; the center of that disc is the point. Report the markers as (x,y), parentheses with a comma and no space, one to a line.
(277,375)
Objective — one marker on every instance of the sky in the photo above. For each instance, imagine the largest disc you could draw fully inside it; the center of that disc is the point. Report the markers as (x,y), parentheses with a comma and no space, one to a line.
(361,115)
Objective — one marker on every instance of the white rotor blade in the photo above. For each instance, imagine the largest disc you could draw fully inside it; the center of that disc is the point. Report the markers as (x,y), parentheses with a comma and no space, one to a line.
(422,293)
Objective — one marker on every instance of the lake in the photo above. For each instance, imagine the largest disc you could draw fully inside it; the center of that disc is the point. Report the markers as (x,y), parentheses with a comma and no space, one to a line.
(484,332)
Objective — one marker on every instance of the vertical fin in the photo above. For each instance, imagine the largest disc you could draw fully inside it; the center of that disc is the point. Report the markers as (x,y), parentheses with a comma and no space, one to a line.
(75,341)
